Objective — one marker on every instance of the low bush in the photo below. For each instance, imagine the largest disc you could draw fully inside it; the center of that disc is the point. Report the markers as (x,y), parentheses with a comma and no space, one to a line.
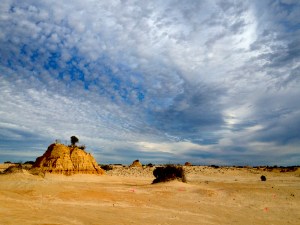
(167,173)
(214,166)
(82,147)
(263,178)
(106,167)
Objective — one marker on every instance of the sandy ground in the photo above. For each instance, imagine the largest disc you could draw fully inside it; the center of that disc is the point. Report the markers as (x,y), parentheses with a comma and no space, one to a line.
(126,196)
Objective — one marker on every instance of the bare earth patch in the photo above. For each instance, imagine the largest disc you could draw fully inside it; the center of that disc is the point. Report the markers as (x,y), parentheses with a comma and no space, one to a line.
(126,196)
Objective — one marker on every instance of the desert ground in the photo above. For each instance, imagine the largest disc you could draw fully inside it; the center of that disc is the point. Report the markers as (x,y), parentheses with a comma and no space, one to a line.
(226,195)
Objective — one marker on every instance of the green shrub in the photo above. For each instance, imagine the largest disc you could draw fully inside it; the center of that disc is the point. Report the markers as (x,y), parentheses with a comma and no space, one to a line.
(167,173)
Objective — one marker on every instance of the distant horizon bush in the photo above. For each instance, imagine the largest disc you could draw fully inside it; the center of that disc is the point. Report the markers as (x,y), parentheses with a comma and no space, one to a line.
(106,167)
(215,166)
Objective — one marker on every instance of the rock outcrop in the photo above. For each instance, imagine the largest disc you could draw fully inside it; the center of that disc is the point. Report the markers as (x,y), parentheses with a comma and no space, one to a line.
(66,160)
(136,163)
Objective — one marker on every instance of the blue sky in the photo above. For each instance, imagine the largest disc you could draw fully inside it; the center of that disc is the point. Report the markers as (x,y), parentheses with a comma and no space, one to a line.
(210,82)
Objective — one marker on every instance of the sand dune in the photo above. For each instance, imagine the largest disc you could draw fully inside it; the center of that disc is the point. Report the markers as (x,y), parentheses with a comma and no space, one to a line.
(126,196)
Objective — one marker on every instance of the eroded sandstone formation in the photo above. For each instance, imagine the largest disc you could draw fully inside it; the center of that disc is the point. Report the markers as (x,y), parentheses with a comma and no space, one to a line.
(67,160)
(136,163)
(188,164)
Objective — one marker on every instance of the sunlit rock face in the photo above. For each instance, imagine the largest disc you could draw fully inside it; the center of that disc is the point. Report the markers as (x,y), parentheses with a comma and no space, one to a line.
(136,163)
(67,160)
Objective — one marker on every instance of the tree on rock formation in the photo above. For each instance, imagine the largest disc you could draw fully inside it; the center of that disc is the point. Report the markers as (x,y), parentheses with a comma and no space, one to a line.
(74,140)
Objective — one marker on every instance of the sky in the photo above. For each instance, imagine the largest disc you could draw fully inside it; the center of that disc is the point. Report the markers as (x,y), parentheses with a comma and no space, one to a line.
(204,81)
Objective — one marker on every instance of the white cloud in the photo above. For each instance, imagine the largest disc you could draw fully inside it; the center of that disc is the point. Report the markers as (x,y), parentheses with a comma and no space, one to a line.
(171,147)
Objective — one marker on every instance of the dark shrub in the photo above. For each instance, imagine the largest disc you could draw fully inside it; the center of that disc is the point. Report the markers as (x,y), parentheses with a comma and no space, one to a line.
(214,166)
(7,162)
(167,173)
(263,178)
(82,147)
(106,167)
(29,162)
(150,164)
(289,169)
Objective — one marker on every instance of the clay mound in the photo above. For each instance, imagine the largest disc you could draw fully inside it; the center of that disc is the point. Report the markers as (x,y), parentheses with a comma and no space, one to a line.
(136,163)
(66,160)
